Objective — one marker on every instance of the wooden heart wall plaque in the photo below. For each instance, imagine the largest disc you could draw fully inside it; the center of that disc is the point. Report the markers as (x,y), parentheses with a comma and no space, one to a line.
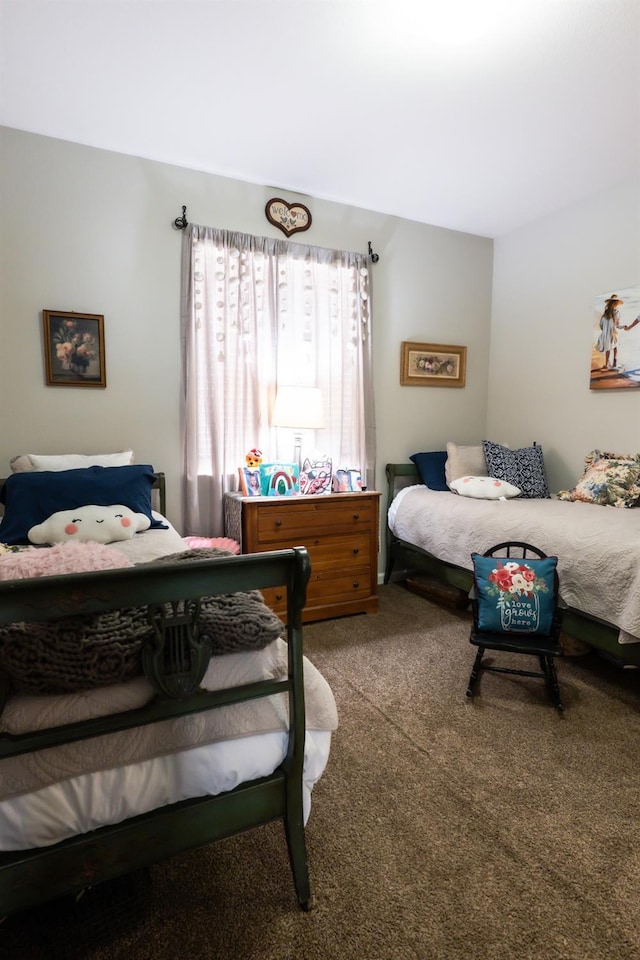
(290,218)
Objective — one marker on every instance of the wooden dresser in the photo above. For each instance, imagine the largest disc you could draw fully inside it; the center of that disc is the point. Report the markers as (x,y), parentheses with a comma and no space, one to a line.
(339,530)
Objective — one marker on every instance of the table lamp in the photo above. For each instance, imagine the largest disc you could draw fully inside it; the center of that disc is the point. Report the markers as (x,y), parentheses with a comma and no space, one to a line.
(299,408)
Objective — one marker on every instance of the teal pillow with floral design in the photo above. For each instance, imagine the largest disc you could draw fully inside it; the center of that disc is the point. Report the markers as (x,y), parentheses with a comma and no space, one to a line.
(513,595)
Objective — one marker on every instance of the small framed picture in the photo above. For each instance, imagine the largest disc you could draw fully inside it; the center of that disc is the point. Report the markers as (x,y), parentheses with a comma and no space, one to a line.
(347,481)
(432,365)
(74,349)
(250,481)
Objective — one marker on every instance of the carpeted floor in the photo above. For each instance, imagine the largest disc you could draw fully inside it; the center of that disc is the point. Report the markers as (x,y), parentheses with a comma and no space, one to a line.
(442,829)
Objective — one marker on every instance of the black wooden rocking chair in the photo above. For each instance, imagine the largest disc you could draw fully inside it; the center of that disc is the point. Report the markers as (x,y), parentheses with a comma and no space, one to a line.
(545,646)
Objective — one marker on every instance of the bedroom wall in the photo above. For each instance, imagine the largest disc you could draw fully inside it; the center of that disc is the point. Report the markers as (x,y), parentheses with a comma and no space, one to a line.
(546,279)
(91,230)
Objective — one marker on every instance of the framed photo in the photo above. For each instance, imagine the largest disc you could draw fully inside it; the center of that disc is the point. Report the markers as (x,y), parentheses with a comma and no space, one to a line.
(615,341)
(432,365)
(74,349)
(347,481)
(250,481)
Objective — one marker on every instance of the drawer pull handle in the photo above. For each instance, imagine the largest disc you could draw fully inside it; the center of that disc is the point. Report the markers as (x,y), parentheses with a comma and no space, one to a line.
(279,597)
(278,523)
(356,584)
(356,516)
(356,550)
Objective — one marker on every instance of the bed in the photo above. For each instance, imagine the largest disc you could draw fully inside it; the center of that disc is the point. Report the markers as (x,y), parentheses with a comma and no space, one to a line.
(433,532)
(111,761)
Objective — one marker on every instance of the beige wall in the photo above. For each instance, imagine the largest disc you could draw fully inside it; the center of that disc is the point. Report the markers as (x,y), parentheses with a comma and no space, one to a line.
(546,280)
(90,230)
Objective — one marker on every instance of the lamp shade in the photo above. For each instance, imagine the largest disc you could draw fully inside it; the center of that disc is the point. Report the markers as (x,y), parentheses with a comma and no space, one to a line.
(298,407)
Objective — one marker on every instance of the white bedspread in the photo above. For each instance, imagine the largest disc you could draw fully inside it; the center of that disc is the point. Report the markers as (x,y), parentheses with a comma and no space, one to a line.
(598,548)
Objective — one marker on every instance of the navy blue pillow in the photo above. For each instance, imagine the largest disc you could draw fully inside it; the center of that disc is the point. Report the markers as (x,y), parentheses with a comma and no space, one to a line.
(29,498)
(431,468)
(514,596)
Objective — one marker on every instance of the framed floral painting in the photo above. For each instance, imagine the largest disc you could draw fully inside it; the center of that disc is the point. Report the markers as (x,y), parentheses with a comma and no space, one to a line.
(74,349)
(432,365)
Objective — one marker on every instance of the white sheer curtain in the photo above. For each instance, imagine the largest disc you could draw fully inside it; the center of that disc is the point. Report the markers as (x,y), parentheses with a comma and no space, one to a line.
(256,313)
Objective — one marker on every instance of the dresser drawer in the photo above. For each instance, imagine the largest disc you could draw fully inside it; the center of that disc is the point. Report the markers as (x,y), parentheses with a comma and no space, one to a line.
(325,589)
(302,521)
(337,553)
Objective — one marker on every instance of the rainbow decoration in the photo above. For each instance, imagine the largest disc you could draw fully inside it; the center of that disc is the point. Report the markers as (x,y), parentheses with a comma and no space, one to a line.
(279,479)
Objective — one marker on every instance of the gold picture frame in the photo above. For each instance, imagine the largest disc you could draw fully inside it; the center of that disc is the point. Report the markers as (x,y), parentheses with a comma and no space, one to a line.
(432,365)
(74,349)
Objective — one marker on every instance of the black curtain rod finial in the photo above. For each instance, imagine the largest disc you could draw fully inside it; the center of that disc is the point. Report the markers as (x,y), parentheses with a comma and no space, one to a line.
(181,222)
(374,256)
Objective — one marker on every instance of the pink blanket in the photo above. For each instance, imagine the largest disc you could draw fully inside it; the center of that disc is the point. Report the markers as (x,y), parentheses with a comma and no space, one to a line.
(62,558)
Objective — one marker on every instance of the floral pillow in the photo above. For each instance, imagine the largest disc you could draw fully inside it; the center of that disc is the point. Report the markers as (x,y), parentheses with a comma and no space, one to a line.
(607,481)
(595,455)
(514,596)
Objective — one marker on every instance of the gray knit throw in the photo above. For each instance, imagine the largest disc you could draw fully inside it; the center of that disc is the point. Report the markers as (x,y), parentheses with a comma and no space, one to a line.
(87,651)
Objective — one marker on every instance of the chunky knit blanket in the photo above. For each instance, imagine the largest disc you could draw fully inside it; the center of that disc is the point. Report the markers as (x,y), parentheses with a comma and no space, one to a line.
(87,651)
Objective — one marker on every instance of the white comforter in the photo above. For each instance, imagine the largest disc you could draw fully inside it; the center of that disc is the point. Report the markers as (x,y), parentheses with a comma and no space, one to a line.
(598,548)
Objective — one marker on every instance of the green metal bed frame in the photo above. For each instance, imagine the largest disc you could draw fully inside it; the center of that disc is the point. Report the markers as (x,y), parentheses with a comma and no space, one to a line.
(175,661)
(402,555)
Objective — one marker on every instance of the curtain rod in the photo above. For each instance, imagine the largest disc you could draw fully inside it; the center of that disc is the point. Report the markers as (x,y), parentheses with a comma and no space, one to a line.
(180,223)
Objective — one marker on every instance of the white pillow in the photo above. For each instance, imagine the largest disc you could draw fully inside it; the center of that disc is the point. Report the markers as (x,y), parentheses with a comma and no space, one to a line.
(92,523)
(464,461)
(31,462)
(484,488)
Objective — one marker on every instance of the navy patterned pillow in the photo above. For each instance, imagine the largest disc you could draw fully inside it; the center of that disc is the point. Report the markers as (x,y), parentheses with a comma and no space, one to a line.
(523,468)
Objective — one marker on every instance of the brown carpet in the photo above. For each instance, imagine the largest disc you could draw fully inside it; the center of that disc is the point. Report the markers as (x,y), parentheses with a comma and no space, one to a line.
(442,829)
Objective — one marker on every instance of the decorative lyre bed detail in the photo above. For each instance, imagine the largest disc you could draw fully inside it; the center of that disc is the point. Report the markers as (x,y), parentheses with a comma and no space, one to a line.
(176,658)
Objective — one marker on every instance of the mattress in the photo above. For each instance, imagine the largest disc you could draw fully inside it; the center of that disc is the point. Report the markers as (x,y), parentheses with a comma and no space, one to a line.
(88,801)
(598,547)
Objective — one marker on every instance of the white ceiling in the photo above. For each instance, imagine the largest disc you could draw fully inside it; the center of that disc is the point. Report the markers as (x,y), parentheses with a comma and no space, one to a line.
(363,102)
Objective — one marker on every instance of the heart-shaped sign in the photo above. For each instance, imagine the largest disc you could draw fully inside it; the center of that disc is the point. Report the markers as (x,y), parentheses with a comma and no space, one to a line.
(290,218)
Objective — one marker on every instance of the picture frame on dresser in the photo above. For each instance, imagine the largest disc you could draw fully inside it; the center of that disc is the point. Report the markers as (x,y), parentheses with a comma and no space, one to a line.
(250,483)
(74,354)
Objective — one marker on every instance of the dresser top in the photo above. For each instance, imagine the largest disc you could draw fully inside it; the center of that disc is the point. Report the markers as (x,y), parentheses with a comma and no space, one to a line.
(297,497)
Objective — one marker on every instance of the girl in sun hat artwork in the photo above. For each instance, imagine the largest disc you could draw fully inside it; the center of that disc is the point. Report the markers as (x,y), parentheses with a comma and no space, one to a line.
(616,341)
(610,323)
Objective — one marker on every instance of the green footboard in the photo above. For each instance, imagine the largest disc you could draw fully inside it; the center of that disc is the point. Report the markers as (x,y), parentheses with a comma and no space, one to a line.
(31,876)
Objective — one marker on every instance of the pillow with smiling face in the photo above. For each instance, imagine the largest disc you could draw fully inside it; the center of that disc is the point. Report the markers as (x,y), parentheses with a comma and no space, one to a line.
(90,523)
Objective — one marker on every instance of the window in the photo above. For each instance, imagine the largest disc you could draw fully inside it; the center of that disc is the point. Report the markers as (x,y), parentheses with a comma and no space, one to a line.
(257,313)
